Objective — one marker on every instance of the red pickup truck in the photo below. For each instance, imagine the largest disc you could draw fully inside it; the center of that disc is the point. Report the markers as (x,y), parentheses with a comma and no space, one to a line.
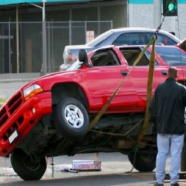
(50,116)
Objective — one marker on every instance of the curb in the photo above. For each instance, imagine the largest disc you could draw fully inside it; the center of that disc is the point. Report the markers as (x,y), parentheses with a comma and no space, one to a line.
(15,80)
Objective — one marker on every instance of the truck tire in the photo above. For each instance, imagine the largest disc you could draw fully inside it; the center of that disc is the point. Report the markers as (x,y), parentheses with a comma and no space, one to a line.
(71,119)
(143,162)
(26,167)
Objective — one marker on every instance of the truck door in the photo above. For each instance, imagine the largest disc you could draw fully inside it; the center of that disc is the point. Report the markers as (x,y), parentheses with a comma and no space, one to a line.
(102,80)
(139,74)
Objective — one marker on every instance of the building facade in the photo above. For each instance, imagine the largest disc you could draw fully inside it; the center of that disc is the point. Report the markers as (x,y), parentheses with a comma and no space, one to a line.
(67,23)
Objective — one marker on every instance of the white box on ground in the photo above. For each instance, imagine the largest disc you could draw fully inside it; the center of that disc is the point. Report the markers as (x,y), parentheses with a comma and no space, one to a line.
(86,165)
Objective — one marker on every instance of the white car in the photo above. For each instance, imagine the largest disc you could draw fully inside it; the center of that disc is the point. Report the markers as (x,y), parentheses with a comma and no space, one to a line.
(118,37)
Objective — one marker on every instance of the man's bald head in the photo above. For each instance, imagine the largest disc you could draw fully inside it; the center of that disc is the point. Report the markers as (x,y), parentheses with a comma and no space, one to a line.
(173,72)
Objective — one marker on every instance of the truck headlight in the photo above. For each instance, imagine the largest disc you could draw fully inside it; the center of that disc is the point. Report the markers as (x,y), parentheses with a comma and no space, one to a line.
(32,91)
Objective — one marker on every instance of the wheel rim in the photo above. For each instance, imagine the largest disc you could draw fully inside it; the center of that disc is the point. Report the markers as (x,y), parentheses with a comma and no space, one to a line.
(74,116)
(30,163)
(147,157)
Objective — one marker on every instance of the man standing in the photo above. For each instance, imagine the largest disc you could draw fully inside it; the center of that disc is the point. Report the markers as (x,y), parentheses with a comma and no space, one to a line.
(167,114)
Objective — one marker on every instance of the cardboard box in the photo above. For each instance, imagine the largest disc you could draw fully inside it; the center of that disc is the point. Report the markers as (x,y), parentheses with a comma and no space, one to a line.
(83,165)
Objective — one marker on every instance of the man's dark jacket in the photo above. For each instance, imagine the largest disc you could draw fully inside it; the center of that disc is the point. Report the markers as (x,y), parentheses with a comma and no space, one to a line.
(167,107)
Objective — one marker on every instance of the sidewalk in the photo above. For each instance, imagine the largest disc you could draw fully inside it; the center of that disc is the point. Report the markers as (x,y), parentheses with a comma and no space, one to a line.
(10,83)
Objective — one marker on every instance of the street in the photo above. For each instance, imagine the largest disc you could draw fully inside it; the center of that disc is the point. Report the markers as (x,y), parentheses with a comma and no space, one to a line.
(115,172)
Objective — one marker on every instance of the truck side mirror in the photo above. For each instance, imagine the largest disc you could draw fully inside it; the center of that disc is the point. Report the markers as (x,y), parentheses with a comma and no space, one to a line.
(83,56)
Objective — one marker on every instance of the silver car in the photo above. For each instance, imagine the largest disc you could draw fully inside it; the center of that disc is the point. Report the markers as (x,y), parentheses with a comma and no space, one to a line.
(118,37)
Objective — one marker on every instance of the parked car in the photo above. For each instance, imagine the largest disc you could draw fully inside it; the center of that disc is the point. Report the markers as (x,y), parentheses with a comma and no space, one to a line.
(51,115)
(120,36)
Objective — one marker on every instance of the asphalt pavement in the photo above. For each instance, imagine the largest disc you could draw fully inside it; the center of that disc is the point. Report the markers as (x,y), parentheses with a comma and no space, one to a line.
(115,171)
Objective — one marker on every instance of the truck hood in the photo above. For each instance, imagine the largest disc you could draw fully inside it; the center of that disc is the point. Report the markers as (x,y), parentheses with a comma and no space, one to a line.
(48,80)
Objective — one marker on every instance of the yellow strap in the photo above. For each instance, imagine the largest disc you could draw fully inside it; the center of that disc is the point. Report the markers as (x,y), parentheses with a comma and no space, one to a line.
(149,93)
(104,108)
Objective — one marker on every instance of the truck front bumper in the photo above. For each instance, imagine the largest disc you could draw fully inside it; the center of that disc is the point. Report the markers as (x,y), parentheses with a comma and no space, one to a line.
(18,117)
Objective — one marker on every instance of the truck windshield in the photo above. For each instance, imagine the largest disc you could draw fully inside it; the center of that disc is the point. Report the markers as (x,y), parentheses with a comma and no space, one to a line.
(172,56)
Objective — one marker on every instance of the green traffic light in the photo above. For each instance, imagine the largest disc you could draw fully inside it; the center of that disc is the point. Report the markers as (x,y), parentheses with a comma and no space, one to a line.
(171,7)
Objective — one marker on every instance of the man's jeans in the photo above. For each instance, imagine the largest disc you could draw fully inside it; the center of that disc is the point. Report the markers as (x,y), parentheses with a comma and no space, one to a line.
(173,144)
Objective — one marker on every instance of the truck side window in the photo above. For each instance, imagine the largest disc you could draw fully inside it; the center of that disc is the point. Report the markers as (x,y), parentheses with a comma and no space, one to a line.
(131,55)
(105,57)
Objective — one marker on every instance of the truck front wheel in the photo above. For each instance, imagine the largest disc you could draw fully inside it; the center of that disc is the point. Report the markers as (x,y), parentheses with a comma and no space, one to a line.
(143,162)
(71,119)
(26,167)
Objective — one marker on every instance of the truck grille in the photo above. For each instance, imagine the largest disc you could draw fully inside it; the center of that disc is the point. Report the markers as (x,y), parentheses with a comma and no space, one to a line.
(13,127)
(11,106)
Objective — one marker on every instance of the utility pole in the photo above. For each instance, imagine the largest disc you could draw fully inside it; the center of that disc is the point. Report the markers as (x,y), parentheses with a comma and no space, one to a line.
(17,38)
(44,47)
(44,66)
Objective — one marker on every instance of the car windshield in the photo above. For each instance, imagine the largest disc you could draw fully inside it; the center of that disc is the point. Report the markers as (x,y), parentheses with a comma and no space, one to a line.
(100,38)
(172,56)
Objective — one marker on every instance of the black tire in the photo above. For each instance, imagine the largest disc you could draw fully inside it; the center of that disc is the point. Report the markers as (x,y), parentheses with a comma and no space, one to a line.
(143,162)
(71,119)
(27,168)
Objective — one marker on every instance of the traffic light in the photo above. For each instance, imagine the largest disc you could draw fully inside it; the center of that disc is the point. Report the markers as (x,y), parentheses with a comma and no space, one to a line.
(170,7)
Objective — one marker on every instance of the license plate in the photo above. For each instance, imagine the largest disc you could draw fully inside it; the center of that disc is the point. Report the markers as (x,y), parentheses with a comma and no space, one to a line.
(13,136)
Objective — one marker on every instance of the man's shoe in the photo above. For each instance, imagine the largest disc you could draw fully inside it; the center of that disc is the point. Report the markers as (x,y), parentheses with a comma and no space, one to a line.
(157,184)
(175,184)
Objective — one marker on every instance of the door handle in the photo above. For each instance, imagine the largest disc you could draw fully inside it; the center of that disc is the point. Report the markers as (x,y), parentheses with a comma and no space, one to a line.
(124,73)
(164,73)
